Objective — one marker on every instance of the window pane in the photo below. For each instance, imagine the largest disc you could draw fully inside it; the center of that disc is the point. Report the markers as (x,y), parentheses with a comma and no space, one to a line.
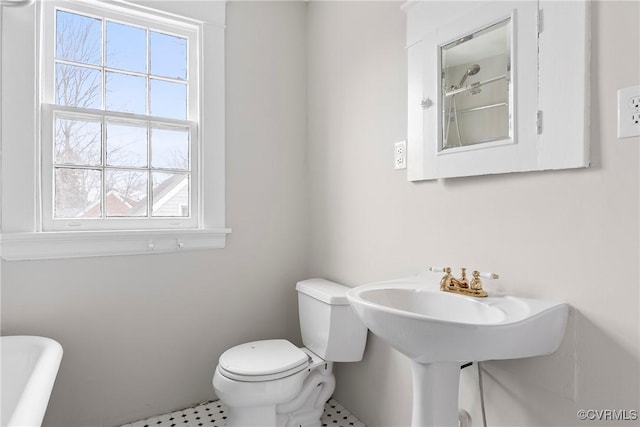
(170,194)
(168,99)
(170,148)
(126,93)
(78,142)
(168,55)
(126,47)
(77,193)
(78,38)
(126,144)
(126,193)
(78,86)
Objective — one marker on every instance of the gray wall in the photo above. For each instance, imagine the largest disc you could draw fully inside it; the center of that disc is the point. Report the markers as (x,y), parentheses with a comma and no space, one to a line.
(568,236)
(142,334)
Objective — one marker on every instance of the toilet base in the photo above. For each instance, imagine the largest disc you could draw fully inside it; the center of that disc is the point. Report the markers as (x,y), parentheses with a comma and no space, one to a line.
(255,416)
(303,418)
(269,416)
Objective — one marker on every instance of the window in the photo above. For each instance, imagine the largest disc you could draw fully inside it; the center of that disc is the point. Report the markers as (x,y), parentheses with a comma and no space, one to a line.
(120,116)
(125,153)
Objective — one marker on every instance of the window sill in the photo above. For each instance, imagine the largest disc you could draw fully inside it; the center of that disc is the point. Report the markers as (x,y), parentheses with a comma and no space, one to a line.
(80,244)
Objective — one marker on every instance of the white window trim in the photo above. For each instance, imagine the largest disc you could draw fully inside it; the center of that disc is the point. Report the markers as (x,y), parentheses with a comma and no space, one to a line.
(22,236)
(74,244)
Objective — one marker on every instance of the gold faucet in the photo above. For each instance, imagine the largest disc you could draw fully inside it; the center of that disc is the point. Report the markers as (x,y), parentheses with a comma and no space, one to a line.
(448,283)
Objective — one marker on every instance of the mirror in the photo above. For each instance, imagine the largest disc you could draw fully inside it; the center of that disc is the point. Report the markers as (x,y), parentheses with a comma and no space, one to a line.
(488,91)
(476,90)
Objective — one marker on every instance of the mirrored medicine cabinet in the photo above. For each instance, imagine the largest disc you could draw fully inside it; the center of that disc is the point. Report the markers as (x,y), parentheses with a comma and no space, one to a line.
(489,89)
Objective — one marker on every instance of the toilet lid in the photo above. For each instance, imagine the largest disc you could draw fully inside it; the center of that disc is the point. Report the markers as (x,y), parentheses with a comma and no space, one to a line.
(262,360)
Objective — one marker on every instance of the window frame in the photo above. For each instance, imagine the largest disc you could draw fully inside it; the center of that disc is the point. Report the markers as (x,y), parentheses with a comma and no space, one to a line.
(106,12)
(22,236)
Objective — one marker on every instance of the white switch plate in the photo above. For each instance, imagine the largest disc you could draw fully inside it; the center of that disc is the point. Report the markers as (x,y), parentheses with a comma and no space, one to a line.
(400,155)
(629,112)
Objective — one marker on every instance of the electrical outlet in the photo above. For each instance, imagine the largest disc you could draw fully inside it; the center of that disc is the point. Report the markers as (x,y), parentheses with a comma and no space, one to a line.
(629,112)
(400,155)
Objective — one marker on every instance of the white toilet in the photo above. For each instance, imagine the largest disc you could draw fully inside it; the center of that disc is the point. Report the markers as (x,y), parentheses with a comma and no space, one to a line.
(273,382)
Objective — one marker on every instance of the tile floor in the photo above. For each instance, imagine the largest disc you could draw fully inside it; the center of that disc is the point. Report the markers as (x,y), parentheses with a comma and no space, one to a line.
(212,414)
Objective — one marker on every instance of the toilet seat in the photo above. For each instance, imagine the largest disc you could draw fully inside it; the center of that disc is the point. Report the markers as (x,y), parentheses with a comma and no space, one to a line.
(265,360)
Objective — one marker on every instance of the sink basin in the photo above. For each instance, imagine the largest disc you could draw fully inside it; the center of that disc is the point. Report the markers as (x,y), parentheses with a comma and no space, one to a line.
(439,331)
(437,305)
(428,325)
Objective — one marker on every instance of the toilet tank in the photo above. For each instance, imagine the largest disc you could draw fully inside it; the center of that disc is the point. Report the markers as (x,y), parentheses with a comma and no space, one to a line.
(330,328)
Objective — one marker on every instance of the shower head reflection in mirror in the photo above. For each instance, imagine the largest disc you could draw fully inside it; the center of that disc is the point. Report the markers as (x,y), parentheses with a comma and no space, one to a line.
(486,54)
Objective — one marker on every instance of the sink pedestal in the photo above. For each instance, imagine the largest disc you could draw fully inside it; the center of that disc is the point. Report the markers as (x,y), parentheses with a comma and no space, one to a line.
(435,394)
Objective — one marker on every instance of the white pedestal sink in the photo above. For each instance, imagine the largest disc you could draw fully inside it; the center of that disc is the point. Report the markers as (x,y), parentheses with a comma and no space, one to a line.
(440,331)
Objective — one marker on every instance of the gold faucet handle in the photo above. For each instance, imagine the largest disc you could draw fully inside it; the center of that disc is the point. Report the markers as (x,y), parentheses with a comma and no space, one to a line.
(440,269)
(476,283)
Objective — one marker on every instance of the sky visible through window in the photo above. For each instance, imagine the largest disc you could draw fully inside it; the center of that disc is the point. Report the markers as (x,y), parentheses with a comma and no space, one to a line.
(144,72)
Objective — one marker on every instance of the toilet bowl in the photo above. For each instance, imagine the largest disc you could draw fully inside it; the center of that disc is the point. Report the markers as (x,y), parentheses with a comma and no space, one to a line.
(272,392)
(273,383)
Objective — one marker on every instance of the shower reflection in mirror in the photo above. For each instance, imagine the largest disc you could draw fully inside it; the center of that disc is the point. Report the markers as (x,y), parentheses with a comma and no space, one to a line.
(477,87)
